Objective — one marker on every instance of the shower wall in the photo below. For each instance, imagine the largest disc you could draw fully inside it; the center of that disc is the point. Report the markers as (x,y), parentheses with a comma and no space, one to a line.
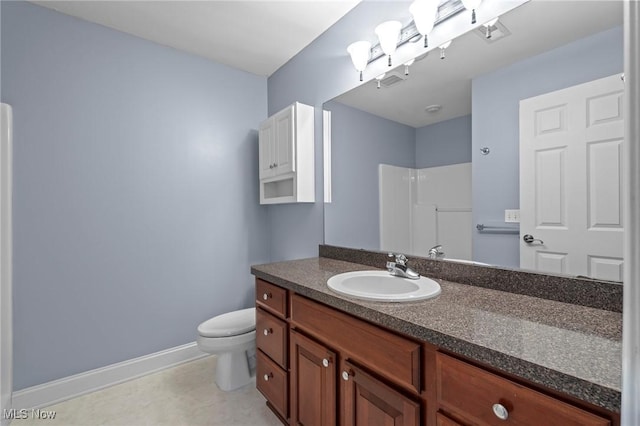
(421,208)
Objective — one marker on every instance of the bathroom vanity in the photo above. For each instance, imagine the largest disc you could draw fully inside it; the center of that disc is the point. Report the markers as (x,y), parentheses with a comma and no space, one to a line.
(471,356)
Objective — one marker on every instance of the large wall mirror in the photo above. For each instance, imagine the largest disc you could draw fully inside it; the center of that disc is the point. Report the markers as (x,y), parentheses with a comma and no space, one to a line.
(510,136)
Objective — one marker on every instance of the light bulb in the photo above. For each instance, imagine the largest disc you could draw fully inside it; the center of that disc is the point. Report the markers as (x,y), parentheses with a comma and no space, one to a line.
(388,33)
(472,5)
(489,25)
(424,16)
(360,51)
(407,65)
(443,46)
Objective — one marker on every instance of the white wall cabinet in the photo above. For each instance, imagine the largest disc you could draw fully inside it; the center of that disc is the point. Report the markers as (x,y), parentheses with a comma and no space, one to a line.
(286,151)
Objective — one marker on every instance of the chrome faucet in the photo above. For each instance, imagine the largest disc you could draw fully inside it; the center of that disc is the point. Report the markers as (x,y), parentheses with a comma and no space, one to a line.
(436,252)
(399,267)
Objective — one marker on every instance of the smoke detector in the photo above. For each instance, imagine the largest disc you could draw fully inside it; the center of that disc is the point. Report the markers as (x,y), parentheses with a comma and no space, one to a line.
(432,109)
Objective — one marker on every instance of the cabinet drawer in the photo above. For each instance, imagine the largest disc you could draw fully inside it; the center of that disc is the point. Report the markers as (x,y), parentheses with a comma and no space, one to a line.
(443,420)
(271,337)
(272,382)
(271,297)
(471,393)
(393,357)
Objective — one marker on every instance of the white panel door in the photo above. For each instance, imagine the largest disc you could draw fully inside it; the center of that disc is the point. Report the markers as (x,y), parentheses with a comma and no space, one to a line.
(266,143)
(571,180)
(285,146)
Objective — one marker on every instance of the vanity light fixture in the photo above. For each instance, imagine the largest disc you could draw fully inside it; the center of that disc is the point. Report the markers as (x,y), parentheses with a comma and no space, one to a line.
(360,52)
(407,65)
(443,46)
(489,26)
(391,35)
(424,16)
(379,78)
(472,5)
(388,33)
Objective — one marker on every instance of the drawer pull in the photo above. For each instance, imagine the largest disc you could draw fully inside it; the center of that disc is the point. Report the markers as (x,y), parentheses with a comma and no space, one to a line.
(500,411)
(267,331)
(325,362)
(266,296)
(346,374)
(267,376)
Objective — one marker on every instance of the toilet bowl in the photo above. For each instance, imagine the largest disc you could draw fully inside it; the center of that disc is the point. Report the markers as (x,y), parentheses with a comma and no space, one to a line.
(232,337)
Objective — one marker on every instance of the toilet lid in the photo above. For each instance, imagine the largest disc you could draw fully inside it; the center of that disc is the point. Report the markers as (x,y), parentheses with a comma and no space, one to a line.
(229,324)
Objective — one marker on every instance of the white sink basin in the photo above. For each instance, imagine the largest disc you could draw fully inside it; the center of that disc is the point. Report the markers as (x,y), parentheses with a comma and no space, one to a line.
(468,262)
(381,286)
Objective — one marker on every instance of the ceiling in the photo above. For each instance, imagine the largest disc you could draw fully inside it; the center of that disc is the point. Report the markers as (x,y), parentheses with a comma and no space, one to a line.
(254,36)
(536,27)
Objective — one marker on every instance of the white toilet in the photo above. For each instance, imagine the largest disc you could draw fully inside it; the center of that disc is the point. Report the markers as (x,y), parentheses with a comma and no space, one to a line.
(232,336)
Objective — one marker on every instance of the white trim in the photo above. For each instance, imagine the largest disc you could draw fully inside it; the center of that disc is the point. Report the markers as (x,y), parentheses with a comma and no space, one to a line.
(79,384)
(630,411)
(6,253)
(326,148)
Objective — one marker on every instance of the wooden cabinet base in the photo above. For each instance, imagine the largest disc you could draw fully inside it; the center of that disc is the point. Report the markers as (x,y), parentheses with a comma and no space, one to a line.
(386,378)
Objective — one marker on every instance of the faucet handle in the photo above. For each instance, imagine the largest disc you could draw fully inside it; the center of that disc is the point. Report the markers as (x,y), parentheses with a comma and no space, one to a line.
(400,258)
(436,252)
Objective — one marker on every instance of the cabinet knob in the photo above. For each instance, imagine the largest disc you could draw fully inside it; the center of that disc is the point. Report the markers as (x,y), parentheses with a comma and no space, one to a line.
(325,362)
(266,296)
(275,164)
(271,166)
(267,331)
(500,411)
(345,375)
(267,376)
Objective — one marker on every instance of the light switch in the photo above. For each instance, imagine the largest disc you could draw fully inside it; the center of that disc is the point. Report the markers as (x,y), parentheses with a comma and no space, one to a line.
(512,216)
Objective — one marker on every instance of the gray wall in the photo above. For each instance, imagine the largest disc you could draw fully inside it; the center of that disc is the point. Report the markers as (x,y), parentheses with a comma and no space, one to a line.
(444,143)
(359,143)
(136,210)
(317,74)
(495,106)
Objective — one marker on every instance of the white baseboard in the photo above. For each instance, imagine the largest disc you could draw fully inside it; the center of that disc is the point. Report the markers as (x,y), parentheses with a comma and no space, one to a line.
(79,384)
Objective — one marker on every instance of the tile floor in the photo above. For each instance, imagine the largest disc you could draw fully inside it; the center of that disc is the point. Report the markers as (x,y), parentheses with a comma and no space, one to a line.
(183,395)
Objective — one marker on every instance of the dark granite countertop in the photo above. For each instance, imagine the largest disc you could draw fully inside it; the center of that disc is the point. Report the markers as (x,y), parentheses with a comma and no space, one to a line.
(570,348)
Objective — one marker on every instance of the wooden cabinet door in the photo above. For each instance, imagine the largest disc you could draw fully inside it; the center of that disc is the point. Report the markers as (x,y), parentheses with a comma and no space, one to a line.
(313,383)
(366,401)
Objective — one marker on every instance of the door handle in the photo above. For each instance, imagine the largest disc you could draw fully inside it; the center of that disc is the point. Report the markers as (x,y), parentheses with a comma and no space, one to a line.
(528,238)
